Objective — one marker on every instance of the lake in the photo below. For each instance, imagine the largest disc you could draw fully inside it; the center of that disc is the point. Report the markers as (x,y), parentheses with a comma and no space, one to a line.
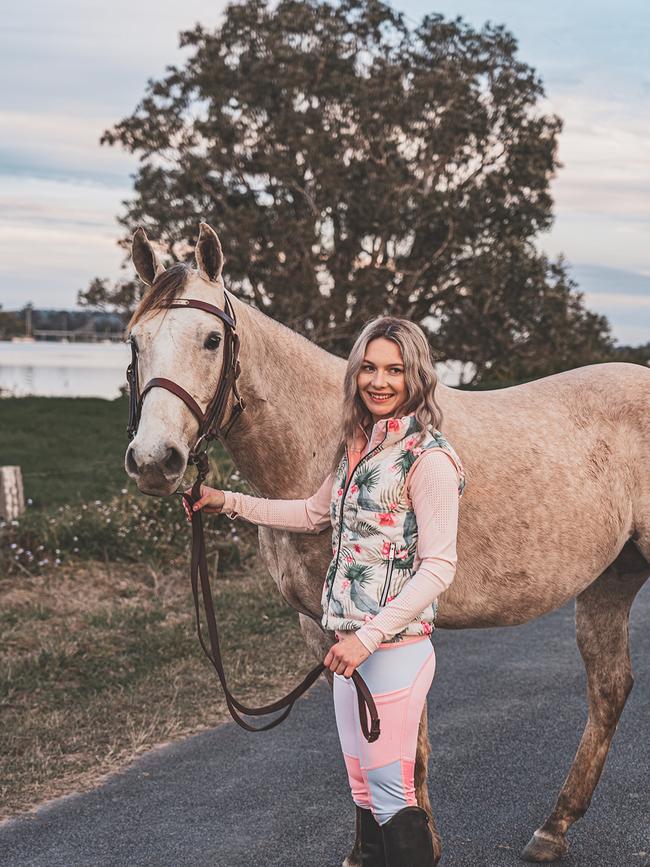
(55,369)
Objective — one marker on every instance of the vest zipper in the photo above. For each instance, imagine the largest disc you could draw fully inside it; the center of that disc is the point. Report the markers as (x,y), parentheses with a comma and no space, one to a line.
(389,574)
(338,547)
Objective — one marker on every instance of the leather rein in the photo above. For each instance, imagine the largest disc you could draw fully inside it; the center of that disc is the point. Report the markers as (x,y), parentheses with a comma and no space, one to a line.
(210,428)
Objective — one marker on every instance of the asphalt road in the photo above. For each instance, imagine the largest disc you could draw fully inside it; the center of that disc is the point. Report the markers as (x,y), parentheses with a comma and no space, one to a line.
(506,710)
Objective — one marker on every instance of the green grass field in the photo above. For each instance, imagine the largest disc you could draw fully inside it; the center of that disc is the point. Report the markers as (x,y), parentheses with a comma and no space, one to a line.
(68,448)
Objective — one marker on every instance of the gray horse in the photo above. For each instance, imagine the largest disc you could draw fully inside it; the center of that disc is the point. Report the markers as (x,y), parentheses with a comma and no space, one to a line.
(557,504)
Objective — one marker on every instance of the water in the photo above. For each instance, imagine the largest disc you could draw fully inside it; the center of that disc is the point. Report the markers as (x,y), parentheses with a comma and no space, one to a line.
(54,369)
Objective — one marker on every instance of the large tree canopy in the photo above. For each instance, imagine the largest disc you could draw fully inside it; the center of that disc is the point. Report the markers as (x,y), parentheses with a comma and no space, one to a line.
(354,166)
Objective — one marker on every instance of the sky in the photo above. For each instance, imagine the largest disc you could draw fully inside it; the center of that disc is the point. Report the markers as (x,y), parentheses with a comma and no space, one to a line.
(77,67)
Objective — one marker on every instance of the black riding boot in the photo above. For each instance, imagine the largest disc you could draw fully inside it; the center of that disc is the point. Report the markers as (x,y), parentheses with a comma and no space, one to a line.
(372,842)
(407,839)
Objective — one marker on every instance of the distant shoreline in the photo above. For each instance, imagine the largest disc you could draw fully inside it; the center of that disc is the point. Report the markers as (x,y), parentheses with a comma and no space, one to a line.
(44,368)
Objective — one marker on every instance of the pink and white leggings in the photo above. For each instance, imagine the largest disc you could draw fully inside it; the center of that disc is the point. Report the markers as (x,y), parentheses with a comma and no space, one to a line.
(398,676)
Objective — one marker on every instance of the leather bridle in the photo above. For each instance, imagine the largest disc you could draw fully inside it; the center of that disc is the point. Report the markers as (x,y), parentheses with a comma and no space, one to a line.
(210,428)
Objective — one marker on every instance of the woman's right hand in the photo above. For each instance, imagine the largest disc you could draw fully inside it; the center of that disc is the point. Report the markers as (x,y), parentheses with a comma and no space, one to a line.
(212,501)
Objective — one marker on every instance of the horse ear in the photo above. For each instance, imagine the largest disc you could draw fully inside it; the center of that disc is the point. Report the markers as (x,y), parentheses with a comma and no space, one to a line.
(208,253)
(144,257)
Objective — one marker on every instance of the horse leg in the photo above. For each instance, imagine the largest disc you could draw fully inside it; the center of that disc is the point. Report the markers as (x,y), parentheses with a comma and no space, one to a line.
(602,616)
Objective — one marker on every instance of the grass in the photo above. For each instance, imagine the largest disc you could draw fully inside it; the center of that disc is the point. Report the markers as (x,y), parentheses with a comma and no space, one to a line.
(68,449)
(98,665)
(99,658)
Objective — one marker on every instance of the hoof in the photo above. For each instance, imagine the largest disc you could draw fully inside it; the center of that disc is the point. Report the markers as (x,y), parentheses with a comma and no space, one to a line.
(544,849)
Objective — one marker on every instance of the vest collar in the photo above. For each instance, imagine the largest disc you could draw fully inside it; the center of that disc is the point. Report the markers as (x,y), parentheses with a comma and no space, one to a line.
(388,431)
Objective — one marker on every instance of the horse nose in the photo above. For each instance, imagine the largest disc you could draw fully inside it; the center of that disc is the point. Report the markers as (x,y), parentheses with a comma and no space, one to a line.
(164,462)
(174,462)
(131,463)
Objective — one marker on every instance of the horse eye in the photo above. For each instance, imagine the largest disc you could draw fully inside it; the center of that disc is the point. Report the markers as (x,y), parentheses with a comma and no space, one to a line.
(213,340)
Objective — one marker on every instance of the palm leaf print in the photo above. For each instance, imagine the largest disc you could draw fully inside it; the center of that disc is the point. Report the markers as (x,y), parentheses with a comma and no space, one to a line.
(367,479)
(362,600)
(410,529)
(404,462)
(365,529)
(356,573)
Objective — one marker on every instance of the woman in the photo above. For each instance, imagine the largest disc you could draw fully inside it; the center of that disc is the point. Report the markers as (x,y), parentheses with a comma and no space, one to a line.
(392,501)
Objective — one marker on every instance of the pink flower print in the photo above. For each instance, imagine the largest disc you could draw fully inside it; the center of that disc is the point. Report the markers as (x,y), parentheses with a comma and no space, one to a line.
(389,598)
(357,548)
(410,442)
(417,451)
(386,519)
(426,627)
(393,424)
(402,554)
(349,558)
(345,584)
(354,489)
(385,549)
(392,506)
(339,493)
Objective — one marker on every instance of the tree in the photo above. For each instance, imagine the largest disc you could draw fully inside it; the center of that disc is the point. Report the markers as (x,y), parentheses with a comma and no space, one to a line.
(353,166)
(11,324)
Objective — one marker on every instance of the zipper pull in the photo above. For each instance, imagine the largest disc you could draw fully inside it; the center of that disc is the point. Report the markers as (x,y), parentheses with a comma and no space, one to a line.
(391,551)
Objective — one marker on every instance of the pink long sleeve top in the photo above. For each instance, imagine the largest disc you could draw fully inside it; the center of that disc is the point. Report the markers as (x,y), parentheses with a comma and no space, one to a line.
(432,487)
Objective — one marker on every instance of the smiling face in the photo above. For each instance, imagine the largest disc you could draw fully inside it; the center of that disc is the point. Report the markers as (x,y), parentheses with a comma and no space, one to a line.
(381,381)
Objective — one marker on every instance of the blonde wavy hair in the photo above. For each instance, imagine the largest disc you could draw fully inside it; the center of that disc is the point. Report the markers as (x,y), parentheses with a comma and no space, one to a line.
(419,375)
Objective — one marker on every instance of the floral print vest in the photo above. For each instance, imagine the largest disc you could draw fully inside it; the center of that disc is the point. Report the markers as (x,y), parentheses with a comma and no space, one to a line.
(374,531)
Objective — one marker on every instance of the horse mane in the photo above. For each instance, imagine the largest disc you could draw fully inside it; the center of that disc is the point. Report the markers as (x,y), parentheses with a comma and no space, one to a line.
(165,288)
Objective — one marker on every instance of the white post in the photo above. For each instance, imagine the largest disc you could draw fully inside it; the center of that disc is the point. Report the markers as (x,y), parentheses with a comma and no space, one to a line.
(12,497)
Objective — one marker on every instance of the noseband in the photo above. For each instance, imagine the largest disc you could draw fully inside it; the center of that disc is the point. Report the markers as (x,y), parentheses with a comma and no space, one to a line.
(209,429)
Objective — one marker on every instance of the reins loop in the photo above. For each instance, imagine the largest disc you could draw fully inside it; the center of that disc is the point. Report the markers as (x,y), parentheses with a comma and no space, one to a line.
(209,428)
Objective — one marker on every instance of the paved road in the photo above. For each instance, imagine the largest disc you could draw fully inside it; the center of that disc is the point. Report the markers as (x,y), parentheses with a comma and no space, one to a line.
(506,710)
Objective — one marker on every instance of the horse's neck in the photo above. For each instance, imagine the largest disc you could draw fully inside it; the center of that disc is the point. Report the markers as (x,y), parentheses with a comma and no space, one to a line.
(284,440)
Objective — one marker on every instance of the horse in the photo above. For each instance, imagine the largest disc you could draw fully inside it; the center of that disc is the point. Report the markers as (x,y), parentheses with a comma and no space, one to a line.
(557,505)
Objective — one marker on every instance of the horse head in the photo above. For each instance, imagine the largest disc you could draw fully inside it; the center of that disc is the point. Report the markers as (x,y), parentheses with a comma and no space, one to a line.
(182,348)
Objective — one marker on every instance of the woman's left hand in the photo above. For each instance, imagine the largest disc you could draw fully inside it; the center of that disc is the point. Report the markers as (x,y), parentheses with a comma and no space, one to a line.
(344,656)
